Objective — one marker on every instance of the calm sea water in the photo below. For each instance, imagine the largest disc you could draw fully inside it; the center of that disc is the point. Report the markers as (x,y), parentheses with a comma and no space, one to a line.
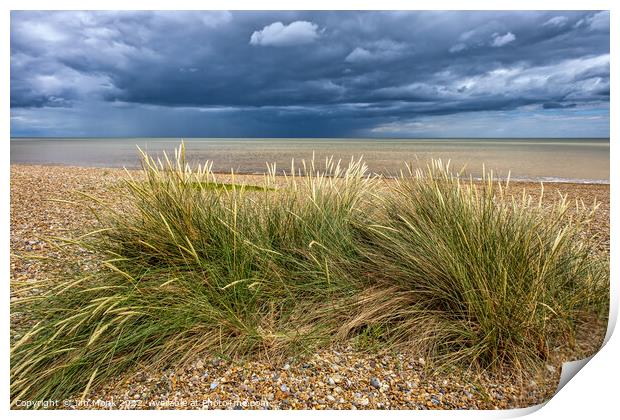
(576,160)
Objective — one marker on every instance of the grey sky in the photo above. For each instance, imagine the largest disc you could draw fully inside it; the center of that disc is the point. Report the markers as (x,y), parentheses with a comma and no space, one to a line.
(310,74)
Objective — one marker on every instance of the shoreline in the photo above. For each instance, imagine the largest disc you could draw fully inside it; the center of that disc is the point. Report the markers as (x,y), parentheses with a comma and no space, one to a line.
(519,180)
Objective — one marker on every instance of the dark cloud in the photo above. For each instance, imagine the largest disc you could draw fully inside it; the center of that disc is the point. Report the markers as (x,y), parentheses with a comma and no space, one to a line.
(300,73)
(556,105)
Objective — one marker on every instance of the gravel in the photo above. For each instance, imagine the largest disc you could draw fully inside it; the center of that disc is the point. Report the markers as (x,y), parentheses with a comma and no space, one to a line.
(333,378)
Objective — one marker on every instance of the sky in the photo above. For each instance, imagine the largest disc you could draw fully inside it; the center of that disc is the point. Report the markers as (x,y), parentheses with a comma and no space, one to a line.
(310,74)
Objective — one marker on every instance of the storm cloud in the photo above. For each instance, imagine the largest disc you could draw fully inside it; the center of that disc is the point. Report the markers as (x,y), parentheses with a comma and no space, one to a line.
(310,74)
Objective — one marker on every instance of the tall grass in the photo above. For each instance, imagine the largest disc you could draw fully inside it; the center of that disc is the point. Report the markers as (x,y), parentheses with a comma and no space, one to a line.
(189,266)
(478,275)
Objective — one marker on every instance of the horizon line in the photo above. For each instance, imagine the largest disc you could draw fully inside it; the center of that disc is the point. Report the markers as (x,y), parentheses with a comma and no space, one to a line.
(312,138)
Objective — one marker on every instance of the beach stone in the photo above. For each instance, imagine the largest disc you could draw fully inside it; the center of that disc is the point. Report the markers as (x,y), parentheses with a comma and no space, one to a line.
(375,383)
(157,384)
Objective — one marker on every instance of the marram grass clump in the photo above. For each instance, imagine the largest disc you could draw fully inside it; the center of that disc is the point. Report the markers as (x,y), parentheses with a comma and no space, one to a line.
(460,271)
(477,275)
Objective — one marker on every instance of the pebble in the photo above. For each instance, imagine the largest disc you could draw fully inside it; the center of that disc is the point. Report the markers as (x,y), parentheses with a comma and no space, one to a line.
(397,389)
(405,382)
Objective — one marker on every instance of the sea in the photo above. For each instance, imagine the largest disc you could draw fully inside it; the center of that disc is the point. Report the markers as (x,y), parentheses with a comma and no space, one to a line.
(580,160)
